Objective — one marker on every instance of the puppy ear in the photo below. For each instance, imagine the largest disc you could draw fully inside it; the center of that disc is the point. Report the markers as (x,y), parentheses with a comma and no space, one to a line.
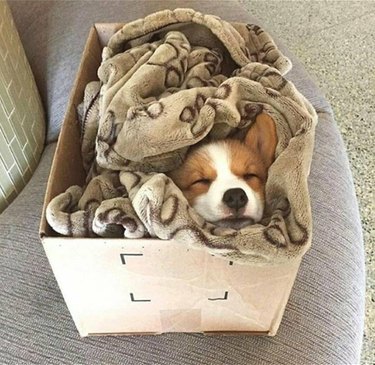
(262,137)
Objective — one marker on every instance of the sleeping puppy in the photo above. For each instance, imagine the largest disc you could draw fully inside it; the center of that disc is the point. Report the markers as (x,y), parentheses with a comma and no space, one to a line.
(224,181)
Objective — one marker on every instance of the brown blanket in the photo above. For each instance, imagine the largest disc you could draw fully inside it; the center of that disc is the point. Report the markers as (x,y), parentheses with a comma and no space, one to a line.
(167,82)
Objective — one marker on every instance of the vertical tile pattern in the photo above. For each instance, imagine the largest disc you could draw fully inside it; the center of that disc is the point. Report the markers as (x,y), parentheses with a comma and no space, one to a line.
(22,124)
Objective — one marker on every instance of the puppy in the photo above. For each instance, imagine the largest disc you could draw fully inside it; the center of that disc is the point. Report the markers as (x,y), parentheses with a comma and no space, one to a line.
(224,181)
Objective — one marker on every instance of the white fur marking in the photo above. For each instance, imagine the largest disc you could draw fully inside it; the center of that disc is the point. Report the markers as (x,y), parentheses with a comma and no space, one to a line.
(210,204)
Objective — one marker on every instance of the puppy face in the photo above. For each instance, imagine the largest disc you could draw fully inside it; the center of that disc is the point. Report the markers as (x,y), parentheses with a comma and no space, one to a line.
(224,181)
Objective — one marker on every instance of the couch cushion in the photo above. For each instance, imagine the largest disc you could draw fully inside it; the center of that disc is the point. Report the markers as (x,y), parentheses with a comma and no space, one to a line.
(323,322)
(22,124)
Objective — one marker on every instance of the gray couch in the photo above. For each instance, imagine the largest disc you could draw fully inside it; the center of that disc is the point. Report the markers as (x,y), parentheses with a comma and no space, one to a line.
(323,322)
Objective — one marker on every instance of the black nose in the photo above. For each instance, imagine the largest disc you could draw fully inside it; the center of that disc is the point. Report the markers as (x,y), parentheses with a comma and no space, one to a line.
(235,198)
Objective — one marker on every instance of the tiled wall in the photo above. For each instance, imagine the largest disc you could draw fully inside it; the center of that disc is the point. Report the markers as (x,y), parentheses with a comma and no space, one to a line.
(22,125)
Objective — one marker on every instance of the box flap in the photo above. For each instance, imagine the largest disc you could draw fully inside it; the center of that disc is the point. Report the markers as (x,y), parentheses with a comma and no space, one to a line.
(67,168)
(106,31)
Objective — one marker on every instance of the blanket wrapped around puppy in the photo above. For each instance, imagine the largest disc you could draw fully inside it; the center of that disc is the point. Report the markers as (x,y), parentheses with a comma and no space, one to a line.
(167,82)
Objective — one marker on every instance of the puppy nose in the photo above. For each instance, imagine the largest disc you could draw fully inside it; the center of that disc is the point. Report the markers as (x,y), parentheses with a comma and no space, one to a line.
(235,198)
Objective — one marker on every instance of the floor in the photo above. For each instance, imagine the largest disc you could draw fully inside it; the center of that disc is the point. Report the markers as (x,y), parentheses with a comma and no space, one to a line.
(335,40)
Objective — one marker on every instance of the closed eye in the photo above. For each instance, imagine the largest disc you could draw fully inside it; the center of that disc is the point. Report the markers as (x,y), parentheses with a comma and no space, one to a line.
(202,181)
(249,176)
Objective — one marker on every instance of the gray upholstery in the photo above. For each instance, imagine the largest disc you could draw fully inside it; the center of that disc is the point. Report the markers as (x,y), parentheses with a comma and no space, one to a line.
(323,322)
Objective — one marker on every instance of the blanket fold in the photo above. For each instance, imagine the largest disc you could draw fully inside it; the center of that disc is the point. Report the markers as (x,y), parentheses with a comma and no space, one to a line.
(170,81)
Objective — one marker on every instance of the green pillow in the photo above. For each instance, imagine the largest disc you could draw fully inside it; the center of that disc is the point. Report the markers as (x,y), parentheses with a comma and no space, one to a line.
(22,124)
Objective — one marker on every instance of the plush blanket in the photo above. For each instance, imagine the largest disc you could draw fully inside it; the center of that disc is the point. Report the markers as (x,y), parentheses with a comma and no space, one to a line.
(167,82)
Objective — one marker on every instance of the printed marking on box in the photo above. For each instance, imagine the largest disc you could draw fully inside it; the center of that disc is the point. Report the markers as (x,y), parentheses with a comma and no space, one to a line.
(122,255)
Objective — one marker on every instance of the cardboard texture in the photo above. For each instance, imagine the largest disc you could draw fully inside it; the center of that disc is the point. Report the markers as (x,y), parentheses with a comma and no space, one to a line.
(150,286)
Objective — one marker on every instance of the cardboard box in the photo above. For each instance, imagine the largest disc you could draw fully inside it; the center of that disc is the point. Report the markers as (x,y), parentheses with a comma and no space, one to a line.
(150,286)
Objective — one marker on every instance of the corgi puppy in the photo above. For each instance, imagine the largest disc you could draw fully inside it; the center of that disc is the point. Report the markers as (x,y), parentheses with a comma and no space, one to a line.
(224,180)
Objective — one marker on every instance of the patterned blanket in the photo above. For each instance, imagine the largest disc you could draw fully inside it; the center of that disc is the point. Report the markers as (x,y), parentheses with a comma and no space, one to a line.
(167,82)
